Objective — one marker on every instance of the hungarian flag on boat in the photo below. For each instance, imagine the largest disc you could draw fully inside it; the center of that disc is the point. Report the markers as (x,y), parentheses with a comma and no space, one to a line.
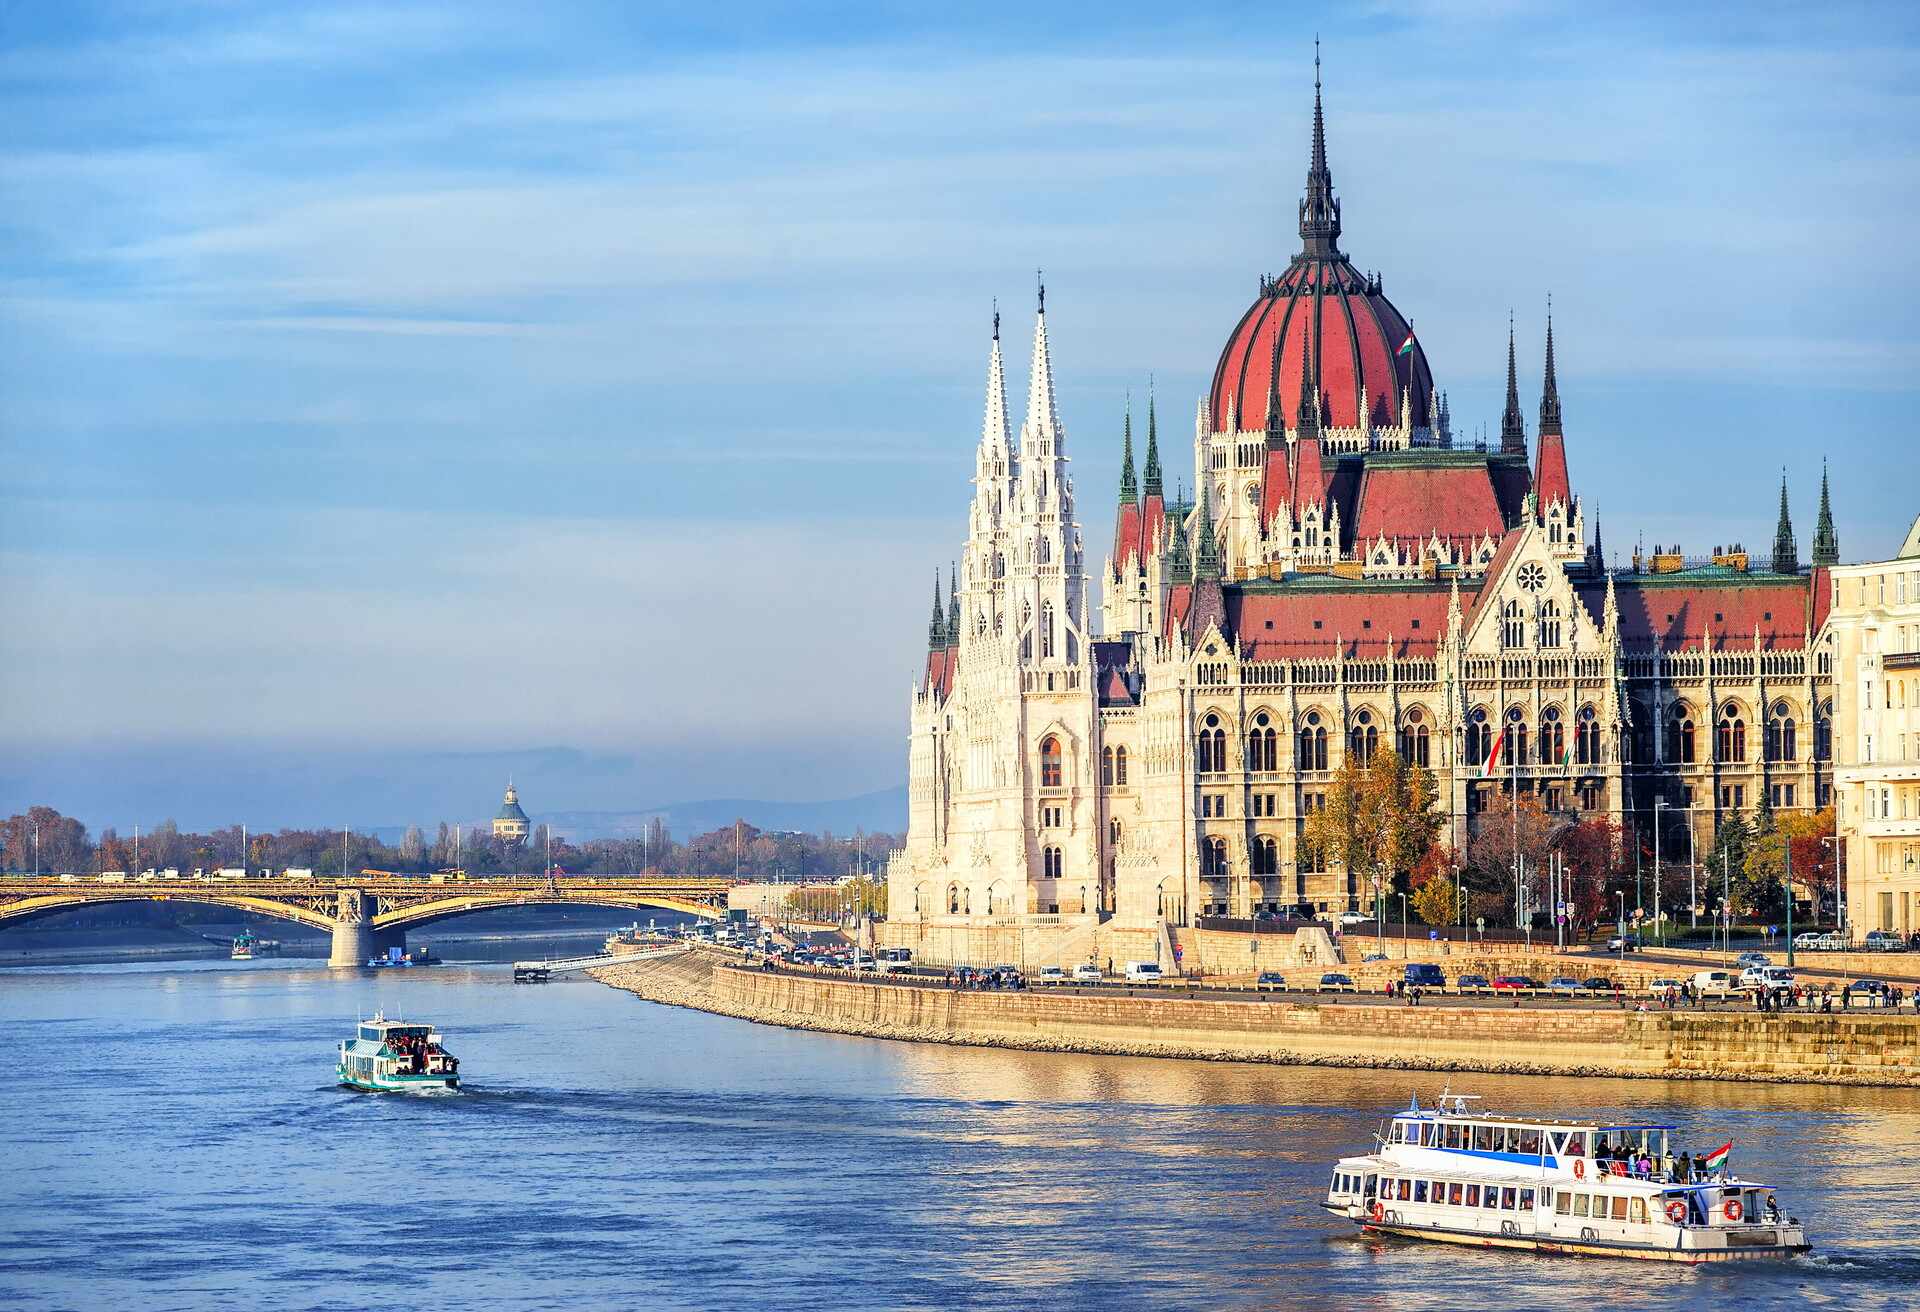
(1406,347)
(1488,766)
(1716,1159)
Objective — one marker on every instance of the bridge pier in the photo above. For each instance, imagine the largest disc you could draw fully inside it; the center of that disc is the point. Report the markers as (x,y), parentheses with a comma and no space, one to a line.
(354,938)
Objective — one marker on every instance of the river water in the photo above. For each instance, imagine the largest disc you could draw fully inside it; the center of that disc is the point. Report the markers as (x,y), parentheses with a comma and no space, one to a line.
(174,1140)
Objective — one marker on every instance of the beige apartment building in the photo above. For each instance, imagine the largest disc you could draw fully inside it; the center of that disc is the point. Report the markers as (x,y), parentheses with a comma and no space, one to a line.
(1875,629)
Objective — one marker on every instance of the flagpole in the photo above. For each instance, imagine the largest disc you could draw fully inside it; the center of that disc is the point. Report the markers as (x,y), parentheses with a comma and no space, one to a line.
(1513,757)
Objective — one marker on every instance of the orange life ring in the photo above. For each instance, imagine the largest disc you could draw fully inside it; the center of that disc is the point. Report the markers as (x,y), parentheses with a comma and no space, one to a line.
(1379,1212)
(1676,1211)
(1579,1169)
(1733,1210)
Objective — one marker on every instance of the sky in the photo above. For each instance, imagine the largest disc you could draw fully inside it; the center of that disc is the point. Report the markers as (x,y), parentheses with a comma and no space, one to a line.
(397,397)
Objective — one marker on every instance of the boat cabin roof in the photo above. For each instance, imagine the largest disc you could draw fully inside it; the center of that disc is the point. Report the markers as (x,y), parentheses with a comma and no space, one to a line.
(1453,1109)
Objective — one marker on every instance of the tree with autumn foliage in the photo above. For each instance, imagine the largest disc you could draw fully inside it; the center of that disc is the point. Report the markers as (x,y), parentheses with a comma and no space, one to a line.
(1488,869)
(1761,883)
(1596,856)
(1379,820)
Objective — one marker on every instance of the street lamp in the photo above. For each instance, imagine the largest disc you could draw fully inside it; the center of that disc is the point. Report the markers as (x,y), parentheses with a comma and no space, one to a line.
(1403,926)
(1620,896)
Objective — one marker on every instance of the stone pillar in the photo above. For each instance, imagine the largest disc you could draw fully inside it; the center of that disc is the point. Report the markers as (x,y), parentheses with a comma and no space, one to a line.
(352,929)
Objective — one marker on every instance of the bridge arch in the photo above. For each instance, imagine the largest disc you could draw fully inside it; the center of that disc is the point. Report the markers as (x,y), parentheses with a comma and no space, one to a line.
(22,910)
(428,913)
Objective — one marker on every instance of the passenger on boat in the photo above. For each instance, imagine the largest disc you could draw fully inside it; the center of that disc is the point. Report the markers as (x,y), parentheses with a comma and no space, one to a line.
(1685,1175)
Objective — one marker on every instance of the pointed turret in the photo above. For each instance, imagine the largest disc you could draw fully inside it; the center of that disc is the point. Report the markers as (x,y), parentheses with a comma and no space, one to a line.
(1129,491)
(1151,485)
(1550,481)
(1307,421)
(937,630)
(1513,429)
(1043,418)
(1786,551)
(1179,560)
(1276,413)
(953,605)
(1826,545)
(1319,211)
(1126,523)
(1206,543)
(996,434)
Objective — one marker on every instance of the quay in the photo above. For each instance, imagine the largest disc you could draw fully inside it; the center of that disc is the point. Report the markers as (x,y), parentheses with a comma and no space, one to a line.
(1879,1048)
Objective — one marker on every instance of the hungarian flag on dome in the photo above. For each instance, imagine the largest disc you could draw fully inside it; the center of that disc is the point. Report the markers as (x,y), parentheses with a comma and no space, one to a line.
(1716,1159)
(1488,766)
(1406,347)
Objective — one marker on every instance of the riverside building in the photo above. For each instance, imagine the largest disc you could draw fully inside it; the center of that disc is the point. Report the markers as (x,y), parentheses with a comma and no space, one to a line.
(1349,574)
(1876,633)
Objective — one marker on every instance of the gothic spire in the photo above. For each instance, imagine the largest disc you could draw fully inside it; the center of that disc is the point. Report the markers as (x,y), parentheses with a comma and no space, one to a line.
(1042,416)
(1307,423)
(1129,492)
(1276,419)
(1151,485)
(953,604)
(1319,211)
(996,437)
(1513,429)
(1826,546)
(1549,390)
(1206,546)
(937,631)
(1786,552)
(1179,564)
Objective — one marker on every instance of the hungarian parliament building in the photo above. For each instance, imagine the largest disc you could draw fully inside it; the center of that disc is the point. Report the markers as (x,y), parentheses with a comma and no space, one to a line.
(1347,575)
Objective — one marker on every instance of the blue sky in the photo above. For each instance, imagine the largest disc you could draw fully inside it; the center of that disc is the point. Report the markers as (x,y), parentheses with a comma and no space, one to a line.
(395,396)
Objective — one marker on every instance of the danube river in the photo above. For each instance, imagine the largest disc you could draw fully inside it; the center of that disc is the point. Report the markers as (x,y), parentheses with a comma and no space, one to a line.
(174,1140)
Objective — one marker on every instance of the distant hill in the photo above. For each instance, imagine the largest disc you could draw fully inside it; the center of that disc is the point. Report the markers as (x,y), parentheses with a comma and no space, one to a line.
(884,811)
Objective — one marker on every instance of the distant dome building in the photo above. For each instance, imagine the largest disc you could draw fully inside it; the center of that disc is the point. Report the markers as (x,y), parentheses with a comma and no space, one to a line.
(511,824)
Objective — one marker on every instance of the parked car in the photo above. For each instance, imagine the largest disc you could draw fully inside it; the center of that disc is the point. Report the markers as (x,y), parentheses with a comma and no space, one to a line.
(1425,975)
(1812,941)
(1373,956)
(1348,919)
(1334,982)
(1753,959)
(1624,943)
(1143,972)
(1516,984)
(1051,975)
(1601,984)
(1715,983)
(1271,981)
(1085,974)
(1885,940)
(1472,984)
(1873,992)
(1563,984)
(1660,987)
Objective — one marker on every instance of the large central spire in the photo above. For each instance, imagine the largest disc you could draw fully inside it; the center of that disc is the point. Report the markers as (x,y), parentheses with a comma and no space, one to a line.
(1319,211)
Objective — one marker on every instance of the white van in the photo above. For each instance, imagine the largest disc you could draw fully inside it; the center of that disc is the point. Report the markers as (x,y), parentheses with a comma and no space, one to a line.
(1715,983)
(299,872)
(1143,972)
(893,960)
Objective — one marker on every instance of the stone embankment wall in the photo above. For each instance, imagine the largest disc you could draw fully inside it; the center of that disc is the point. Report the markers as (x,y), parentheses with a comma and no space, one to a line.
(1838,1049)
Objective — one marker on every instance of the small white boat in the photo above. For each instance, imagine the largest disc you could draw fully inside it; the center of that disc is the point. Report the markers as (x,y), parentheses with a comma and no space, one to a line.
(1459,1176)
(390,1056)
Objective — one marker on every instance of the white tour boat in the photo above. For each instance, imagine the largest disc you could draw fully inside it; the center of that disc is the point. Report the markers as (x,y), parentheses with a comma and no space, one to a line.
(390,1056)
(1461,1176)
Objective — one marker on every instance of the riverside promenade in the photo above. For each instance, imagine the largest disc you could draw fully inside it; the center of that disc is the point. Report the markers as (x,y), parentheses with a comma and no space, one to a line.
(1570,1038)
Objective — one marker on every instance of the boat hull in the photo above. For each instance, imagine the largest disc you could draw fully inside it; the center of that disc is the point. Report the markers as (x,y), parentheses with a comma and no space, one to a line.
(397,1083)
(1587,1248)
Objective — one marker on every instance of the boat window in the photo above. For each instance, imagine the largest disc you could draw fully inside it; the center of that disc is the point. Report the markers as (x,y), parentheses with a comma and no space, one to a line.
(1399,1132)
(1530,1143)
(1563,1203)
(1526,1200)
(1490,1197)
(1406,1190)
(1453,1194)
(1638,1211)
(1577,1143)
(1370,1185)
(1430,1135)
(1473,1195)
(1453,1137)
(1580,1204)
(1419,1191)
(1484,1139)
(1509,1198)
(1600,1145)
(1620,1207)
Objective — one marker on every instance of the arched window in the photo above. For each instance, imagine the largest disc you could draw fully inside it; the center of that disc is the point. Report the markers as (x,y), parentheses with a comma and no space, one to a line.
(999,565)
(1733,734)
(1046,551)
(1210,746)
(1214,859)
(1120,767)
(1313,743)
(1782,736)
(1587,737)
(1479,737)
(1113,832)
(1513,625)
(1050,862)
(1050,762)
(1413,739)
(1363,740)
(1553,737)
(1823,732)
(1266,856)
(1263,745)
(953,899)
(1046,629)
(1515,750)
(1680,736)
(1106,767)
(1549,623)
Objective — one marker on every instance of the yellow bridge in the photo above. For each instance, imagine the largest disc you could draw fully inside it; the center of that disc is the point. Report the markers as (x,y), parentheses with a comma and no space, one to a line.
(367,915)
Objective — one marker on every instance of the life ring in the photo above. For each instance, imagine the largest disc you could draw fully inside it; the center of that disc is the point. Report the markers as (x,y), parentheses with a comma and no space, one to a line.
(1733,1210)
(1676,1211)
(1579,1169)
(1379,1212)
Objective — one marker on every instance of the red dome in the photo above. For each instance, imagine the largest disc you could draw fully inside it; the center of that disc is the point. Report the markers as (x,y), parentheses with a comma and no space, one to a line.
(1355,334)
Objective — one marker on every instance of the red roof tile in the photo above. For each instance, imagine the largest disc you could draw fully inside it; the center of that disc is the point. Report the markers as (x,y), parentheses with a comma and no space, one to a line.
(1673,615)
(1415,501)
